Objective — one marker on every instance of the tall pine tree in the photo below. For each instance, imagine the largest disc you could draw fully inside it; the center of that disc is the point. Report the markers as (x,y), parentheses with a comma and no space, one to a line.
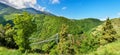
(109,34)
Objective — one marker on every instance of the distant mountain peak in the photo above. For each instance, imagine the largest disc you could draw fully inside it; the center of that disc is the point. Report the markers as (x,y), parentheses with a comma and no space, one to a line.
(19,4)
(6,9)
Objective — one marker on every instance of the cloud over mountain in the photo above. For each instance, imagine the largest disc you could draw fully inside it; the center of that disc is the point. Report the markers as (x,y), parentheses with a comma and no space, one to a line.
(23,4)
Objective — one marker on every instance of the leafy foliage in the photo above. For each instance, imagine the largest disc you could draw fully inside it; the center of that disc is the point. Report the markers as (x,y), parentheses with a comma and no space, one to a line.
(24,27)
(89,44)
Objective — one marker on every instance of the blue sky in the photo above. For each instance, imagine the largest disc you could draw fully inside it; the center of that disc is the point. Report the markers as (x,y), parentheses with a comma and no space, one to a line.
(67,8)
(77,9)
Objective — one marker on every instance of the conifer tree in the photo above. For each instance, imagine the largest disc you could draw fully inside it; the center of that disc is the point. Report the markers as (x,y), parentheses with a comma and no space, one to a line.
(64,47)
(109,34)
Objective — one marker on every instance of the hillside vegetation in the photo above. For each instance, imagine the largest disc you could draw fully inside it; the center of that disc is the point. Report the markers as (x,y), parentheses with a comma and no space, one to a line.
(109,49)
(55,35)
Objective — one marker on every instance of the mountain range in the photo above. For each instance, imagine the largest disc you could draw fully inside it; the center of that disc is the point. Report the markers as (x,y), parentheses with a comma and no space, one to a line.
(7,10)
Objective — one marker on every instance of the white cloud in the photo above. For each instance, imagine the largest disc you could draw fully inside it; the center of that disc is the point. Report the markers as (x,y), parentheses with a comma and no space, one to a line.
(23,4)
(64,8)
(55,1)
(103,18)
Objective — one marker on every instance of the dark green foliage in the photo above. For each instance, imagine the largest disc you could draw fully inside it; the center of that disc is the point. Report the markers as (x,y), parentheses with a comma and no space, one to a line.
(2,20)
(2,34)
(6,36)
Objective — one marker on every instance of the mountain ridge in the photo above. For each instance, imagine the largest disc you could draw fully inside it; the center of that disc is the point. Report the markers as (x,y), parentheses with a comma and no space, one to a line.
(6,9)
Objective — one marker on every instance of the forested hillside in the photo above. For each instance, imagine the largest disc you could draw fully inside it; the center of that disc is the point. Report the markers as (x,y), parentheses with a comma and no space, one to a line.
(55,35)
(29,29)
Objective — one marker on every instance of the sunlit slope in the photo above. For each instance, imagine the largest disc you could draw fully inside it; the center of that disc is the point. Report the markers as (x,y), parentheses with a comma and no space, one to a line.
(109,49)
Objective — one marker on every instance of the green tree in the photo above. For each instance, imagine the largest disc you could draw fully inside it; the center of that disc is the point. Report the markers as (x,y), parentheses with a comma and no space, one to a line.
(24,27)
(109,34)
(88,44)
(64,47)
